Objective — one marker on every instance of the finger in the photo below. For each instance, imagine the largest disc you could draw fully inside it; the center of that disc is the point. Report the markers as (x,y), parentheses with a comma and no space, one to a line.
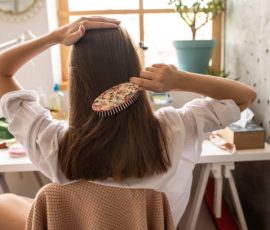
(146,74)
(100,19)
(95,25)
(105,19)
(151,69)
(78,34)
(143,83)
(159,65)
(82,30)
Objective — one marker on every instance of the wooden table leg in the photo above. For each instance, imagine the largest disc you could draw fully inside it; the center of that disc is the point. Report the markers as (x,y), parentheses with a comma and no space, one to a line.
(198,198)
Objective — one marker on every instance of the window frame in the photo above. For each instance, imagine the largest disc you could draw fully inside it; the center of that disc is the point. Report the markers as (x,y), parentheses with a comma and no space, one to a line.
(64,13)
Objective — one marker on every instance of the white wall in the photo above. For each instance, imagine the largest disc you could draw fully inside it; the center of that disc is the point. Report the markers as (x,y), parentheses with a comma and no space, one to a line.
(42,72)
(248,58)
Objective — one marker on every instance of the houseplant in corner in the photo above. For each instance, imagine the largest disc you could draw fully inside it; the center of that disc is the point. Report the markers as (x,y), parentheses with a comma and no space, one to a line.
(194,55)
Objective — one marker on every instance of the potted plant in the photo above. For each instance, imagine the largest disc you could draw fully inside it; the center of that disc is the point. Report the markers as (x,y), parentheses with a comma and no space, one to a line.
(194,55)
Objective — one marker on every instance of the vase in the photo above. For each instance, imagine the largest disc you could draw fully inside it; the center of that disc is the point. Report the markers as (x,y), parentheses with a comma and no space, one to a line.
(194,55)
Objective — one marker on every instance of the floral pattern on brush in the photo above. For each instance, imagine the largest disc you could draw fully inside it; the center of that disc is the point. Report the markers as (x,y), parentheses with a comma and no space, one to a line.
(116,97)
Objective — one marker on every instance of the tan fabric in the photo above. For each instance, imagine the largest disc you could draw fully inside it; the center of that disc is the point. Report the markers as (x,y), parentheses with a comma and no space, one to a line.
(84,205)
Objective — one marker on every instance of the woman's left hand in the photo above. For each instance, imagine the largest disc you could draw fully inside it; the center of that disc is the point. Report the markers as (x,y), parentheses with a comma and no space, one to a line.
(72,32)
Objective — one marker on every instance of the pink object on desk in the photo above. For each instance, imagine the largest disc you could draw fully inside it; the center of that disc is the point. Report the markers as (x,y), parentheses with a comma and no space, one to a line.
(16,150)
(221,143)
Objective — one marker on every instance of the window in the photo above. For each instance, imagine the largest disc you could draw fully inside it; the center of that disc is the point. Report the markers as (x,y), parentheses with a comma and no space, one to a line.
(153,22)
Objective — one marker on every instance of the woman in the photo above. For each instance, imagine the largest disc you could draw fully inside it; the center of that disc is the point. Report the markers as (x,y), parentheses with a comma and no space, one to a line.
(134,148)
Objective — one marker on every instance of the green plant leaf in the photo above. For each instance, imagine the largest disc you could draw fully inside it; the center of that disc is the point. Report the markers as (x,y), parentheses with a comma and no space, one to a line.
(209,7)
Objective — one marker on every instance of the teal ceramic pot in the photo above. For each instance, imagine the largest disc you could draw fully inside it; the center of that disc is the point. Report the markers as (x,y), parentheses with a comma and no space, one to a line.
(194,55)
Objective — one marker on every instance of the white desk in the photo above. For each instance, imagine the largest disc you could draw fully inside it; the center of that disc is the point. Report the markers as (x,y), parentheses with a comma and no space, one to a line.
(221,164)
(8,164)
(213,154)
(213,159)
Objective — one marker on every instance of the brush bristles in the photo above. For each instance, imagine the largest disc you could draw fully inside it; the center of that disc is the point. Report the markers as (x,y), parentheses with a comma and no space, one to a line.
(118,109)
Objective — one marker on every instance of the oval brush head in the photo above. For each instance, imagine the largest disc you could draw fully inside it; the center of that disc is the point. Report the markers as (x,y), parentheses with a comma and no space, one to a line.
(116,99)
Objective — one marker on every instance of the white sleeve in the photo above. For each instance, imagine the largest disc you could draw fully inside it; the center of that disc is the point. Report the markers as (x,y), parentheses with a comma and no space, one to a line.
(201,116)
(33,126)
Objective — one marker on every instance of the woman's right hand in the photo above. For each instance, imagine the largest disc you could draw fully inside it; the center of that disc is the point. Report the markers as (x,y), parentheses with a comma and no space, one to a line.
(70,33)
(159,78)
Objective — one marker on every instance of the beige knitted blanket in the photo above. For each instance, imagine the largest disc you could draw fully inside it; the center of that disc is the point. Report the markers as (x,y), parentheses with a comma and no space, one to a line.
(84,205)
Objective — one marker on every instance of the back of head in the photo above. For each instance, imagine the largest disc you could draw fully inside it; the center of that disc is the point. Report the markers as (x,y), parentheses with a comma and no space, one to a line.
(128,144)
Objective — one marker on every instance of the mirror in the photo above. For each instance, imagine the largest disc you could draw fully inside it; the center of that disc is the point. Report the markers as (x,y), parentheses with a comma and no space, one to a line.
(19,10)
(16,6)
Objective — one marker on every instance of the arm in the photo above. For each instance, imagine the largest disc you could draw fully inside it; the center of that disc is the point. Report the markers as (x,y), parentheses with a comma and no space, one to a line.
(12,59)
(161,77)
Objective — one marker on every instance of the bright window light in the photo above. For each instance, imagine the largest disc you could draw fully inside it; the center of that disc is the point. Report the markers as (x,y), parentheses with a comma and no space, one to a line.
(157,4)
(160,24)
(78,5)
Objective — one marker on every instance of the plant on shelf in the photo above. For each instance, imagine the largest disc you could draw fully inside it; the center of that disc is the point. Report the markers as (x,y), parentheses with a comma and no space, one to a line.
(194,55)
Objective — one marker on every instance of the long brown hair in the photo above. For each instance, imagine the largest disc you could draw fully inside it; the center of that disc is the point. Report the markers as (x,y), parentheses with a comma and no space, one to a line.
(128,144)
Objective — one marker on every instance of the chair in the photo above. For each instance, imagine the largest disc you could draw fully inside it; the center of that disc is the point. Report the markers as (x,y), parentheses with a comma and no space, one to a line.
(85,205)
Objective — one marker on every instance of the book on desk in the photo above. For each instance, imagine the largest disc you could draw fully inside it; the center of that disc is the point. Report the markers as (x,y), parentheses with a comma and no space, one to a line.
(250,137)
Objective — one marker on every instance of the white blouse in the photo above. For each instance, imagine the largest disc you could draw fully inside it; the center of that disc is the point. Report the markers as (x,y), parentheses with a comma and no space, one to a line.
(185,128)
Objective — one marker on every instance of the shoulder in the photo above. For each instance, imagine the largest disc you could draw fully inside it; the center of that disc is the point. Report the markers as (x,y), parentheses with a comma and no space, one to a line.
(170,120)
(168,114)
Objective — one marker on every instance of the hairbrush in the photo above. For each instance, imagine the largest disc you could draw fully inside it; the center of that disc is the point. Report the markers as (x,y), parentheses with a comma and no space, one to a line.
(116,99)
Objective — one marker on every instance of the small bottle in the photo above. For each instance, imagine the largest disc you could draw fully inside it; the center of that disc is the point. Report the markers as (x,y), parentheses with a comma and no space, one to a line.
(57,103)
(42,97)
